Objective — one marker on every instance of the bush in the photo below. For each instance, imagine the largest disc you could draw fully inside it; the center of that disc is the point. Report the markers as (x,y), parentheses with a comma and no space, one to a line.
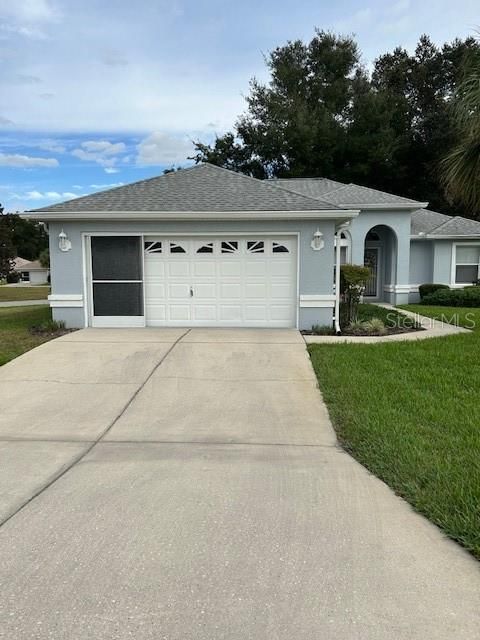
(427,289)
(353,278)
(49,327)
(13,277)
(469,297)
(323,330)
(372,327)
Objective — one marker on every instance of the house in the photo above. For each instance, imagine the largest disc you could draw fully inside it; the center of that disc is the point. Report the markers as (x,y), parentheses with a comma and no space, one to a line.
(206,246)
(30,271)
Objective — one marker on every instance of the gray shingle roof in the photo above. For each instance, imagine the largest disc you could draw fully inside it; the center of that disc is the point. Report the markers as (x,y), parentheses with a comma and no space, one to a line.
(343,195)
(424,221)
(432,223)
(311,187)
(203,187)
(458,226)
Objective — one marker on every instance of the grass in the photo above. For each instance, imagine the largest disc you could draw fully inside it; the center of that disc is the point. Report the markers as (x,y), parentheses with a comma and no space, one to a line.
(410,412)
(12,294)
(15,337)
(468,317)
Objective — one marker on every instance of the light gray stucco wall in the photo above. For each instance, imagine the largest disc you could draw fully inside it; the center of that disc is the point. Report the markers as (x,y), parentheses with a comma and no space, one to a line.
(315,267)
(421,265)
(442,262)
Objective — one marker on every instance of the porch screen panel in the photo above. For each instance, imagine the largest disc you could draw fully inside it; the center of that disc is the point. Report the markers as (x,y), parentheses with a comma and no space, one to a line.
(117,276)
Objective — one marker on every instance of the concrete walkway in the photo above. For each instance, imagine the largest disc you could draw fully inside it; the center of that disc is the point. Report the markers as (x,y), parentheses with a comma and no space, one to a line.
(188,485)
(431,329)
(23,303)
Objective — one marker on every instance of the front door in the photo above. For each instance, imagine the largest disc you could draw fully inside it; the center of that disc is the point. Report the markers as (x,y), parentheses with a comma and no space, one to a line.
(372,260)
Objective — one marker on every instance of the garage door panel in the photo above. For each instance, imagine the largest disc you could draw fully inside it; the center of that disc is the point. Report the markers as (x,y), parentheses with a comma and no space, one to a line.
(204,268)
(256,268)
(230,290)
(205,290)
(178,268)
(230,268)
(176,290)
(256,313)
(280,313)
(179,313)
(238,288)
(256,290)
(204,312)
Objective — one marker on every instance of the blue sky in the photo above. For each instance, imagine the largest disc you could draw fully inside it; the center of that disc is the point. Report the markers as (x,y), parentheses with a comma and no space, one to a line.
(96,94)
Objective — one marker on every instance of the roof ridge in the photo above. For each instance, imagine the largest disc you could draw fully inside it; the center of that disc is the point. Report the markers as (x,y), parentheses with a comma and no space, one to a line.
(445,222)
(266,183)
(309,198)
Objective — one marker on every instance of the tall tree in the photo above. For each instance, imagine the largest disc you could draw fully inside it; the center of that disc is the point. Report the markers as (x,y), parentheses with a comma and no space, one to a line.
(7,250)
(461,167)
(28,238)
(321,114)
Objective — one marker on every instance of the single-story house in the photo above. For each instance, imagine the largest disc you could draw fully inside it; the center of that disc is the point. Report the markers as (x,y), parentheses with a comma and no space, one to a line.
(30,271)
(206,246)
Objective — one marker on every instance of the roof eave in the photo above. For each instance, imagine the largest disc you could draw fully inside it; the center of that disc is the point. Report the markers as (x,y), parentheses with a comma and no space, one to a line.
(457,236)
(52,216)
(389,206)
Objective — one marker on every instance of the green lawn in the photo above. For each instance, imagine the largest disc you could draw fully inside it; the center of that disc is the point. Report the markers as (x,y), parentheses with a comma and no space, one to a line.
(15,337)
(8,294)
(410,412)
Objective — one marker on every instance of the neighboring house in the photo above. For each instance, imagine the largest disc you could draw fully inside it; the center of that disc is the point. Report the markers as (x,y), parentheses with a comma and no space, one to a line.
(31,271)
(205,246)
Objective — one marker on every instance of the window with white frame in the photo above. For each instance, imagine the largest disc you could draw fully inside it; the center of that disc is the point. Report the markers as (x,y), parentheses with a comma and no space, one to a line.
(467,263)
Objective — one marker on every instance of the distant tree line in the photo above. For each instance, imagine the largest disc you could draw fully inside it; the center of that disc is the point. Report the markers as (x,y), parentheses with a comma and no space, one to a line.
(19,238)
(322,113)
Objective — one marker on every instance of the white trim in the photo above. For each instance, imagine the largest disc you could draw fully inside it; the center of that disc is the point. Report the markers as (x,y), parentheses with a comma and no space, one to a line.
(397,288)
(178,216)
(386,206)
(414,288)
(317,301)
(66,300)
(453,266)
(118,322)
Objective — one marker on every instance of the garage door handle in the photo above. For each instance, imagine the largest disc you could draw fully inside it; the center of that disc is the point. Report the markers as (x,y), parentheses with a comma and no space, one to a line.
(191,292)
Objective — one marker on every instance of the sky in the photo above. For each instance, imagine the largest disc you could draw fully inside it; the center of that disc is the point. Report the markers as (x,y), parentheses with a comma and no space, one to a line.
(95,94)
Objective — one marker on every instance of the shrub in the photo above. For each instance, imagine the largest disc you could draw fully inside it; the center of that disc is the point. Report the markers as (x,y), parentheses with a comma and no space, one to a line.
(353,278)
(13,277)
(323,330)
(49,327)
(375,327)
(469,297)
(427,289)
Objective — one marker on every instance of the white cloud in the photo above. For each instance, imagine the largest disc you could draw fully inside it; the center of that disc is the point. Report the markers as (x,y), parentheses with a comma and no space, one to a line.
(102,152)
(51,145)
(111,170)
(29,10)
(5,121)
(112,185)
(18,160)
(46,195)
(162,148)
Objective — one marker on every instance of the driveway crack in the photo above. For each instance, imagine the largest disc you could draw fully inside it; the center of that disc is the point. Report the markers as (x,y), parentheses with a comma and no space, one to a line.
(93,443)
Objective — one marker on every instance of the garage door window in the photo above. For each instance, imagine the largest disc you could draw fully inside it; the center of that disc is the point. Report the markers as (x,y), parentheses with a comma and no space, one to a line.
(117,279)
(230,246)
(279,248)
(256,246)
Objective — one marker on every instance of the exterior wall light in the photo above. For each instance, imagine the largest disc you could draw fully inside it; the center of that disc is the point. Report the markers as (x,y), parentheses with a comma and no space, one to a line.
(64,244)
(318,242)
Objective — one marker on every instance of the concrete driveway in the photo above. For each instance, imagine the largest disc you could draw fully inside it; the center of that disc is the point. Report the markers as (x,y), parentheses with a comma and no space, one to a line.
(163,484)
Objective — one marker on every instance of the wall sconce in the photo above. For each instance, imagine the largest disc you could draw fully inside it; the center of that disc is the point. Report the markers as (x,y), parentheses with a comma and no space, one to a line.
(64,243)
(317,242)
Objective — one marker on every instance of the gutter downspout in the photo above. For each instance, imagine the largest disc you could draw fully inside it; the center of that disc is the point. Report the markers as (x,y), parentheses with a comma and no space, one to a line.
(338,232)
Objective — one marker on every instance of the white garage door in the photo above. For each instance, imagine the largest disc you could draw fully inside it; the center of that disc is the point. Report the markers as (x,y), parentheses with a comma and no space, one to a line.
(228,281)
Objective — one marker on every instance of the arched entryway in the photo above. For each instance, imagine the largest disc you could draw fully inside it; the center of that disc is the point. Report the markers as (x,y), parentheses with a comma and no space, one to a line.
(380,255)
